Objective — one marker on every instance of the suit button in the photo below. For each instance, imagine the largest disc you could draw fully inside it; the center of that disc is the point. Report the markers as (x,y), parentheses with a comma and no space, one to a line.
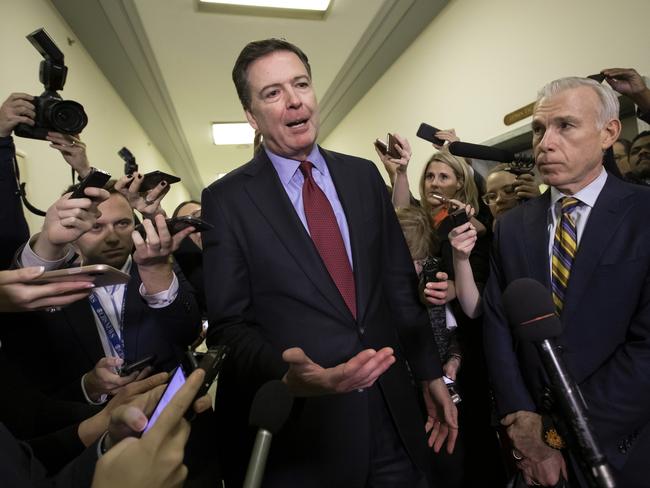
(362,330)
(622,448)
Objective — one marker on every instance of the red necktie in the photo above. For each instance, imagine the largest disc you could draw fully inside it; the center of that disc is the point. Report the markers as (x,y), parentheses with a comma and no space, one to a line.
(326,235)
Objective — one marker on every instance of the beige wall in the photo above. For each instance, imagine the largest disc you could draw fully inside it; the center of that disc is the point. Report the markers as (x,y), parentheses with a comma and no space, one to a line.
(110,127)
(479,60)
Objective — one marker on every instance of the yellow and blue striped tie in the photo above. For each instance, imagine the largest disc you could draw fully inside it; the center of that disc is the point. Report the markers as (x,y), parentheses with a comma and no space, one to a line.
(565,245)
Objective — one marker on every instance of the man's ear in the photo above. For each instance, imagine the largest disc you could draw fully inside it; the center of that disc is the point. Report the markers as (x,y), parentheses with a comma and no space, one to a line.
(610,133)
(251,119)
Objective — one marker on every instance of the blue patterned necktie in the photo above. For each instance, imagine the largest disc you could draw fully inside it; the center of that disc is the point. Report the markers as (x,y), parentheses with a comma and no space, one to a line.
(565,246)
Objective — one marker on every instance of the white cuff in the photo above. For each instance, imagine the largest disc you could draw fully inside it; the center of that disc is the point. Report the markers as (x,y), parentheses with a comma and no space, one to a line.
(102,399)
(162,298)
(29,258)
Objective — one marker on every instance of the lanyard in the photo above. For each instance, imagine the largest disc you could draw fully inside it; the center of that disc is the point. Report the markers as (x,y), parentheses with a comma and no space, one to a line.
(116,341)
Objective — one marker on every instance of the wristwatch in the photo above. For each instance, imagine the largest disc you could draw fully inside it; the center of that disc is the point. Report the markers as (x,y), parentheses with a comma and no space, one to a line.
(550,434)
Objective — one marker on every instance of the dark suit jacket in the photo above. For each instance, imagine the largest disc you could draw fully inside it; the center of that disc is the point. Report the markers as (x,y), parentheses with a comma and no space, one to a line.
(606,319)
(12,220)
(268,290)
(57,349)
(20,469)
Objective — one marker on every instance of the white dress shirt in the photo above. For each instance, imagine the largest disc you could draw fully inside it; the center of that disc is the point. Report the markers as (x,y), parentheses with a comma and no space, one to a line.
(588,196)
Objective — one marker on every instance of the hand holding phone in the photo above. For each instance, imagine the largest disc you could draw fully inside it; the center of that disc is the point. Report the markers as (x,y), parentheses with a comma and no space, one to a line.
(96,178)
(388,148)
(211,362)
(98,274)
(153,179)
(177,224)
(428,133)
(139,365)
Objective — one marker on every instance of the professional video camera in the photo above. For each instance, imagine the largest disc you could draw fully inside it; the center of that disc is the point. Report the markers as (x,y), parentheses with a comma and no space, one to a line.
(52,112)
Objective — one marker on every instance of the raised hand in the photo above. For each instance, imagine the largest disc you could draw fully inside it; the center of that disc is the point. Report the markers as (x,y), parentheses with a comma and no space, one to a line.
(67,220)
(149,203)
(73,150)
(17,109)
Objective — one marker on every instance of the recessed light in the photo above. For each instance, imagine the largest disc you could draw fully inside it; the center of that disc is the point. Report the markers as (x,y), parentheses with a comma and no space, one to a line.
(232,133)
(317,5)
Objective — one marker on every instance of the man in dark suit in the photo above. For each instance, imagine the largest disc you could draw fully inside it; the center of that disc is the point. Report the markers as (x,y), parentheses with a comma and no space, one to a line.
(310,281)
(594,229)
(154,313)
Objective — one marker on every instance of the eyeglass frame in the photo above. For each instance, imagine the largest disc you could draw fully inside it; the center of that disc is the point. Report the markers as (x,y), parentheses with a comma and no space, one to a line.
(501,191)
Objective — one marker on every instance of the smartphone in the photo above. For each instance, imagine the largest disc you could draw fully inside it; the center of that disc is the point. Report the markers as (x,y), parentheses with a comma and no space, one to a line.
(153,179)
(211,362)
(139,365)
(392,150)
(95,179)
(428,133)
(381,146)
(98,274)
(458,217)
(177,224)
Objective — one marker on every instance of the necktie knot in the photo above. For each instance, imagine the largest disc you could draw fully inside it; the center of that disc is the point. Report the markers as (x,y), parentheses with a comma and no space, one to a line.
(569,204)
(305,169)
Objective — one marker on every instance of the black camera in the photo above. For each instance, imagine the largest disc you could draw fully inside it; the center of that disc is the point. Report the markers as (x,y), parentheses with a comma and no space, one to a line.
(52,112)
(430,267)
(130,166)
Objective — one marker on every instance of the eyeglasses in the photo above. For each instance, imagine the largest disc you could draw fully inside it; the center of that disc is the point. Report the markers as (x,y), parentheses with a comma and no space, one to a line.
(506,193)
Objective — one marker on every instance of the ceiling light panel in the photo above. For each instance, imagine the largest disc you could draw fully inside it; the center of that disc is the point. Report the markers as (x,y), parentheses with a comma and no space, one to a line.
(232,133)
(314,5)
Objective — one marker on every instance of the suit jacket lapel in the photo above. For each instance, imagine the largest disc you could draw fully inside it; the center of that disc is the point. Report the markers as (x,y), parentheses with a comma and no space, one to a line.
(535,237)
(81,320)
(607,213)
(267,193)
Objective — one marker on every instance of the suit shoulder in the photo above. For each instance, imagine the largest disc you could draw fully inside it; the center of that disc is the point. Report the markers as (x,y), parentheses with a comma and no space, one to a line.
(349,159)
(232,179)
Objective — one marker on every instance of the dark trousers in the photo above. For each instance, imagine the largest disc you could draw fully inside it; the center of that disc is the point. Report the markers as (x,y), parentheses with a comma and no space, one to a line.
(390,465)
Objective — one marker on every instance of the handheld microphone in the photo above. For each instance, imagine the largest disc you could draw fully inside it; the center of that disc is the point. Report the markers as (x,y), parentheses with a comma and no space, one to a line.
(530,311)
(269,411)
(523,163)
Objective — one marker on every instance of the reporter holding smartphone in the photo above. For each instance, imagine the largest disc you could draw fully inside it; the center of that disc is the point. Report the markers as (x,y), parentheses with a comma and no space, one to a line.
(155,313)
(447,186)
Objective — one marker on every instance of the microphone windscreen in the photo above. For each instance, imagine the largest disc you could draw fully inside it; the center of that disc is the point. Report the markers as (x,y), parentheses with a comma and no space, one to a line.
(530,310)
(477,151)
(271,406)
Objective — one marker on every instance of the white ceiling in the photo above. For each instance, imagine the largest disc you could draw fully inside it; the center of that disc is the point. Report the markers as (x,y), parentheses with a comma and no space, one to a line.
(200,84)
(171,62)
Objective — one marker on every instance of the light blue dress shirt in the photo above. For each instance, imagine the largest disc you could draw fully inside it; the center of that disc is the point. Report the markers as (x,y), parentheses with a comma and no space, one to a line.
(292,181)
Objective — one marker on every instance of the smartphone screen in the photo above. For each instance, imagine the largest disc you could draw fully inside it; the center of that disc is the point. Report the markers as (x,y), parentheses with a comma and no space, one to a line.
(175,383)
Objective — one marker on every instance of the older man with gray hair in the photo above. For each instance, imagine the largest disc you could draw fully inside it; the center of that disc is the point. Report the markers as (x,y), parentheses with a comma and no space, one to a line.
(588,241)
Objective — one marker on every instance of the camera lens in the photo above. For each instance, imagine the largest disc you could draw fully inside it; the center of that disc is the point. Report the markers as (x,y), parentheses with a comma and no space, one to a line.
(67,117)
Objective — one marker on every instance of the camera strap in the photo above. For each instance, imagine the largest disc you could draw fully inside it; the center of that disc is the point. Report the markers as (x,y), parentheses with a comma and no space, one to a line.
(23,192)
(115,339)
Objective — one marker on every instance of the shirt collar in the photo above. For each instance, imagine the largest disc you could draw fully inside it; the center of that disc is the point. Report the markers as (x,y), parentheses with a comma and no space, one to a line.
(588,195)
(286,168)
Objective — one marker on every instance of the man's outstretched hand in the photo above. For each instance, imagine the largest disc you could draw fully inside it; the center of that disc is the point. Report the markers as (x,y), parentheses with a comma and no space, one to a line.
(306,378)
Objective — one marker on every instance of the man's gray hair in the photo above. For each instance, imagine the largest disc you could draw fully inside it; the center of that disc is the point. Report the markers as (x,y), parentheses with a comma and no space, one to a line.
(609,106)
